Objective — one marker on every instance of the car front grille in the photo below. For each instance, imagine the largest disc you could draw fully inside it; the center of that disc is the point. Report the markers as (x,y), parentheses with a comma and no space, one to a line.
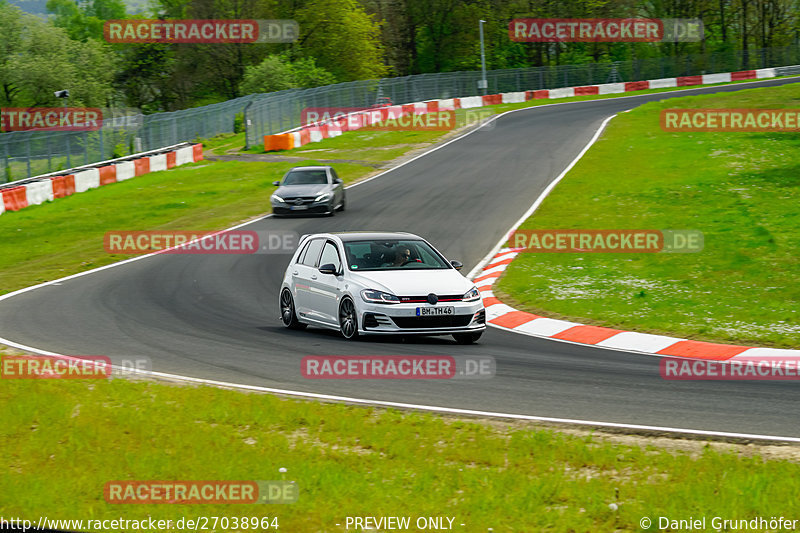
(444,321)
(424,299)
(299,200)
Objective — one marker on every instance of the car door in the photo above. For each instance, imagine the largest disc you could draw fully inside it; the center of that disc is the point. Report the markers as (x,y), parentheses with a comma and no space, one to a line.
(325,287)
(302,273)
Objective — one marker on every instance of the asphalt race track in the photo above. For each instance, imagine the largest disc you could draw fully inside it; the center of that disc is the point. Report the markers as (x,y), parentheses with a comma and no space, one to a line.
(216,316)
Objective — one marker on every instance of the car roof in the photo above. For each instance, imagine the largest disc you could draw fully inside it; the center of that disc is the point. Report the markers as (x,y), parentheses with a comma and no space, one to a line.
(347,236)
(314,167)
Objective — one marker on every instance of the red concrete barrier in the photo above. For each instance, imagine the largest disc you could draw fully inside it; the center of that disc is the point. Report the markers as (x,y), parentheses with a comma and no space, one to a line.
(63,186)
(587,91)
(141,166)
(683,81)
(743,75)
(637,86)
(108,174)
(15,199)
(197,152)
(492,99)
(433,106)
(170,160)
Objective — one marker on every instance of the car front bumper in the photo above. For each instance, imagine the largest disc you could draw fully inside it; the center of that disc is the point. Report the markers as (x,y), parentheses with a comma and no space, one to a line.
(317,208)
(402,319)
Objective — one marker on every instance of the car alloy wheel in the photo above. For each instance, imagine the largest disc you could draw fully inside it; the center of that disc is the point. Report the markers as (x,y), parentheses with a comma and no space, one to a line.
(288,316)
(348,322)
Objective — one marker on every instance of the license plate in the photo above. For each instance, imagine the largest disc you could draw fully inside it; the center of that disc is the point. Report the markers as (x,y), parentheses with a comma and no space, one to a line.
(435,311)
(298,207)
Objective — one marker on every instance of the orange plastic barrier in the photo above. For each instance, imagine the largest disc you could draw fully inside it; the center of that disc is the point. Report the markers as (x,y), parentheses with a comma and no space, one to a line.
(305,137)
(15,199)
(282,141)
(108,174)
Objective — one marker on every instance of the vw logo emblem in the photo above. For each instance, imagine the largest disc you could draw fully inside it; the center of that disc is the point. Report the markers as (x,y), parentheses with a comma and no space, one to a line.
(432,299)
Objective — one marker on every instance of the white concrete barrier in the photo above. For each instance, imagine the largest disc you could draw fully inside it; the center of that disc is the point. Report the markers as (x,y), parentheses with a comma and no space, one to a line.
(566,92)
(127,170)
(514,98)
(765,73)
(158,162)
(39,192)
(183,156)
(314,135)
(663,83)
(87,179)
(717,78)
(610,88)
(471,101)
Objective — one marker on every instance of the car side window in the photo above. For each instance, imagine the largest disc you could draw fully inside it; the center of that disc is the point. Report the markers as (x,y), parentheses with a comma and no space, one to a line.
(330,255)
(312,253)
(334,175)
(302,254)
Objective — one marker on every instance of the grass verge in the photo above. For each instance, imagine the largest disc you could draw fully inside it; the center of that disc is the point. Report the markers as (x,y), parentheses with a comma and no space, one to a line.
(56,239)
(61,441)
(740,189)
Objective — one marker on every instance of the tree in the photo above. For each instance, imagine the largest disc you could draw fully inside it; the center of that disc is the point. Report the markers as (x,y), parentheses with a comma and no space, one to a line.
(85,21)
(343,39)
(275,73)
(38,59)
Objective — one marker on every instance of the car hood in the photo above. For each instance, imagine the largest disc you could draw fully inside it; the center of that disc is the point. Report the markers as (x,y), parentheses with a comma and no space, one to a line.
(301,190)
(414,282)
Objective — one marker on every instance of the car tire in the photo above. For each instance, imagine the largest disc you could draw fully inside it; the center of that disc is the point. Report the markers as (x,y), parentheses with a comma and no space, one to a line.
(288,315)
(348,319)
(467,338)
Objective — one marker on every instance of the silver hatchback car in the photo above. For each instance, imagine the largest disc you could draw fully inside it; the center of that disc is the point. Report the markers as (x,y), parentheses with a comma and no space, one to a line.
(309,190)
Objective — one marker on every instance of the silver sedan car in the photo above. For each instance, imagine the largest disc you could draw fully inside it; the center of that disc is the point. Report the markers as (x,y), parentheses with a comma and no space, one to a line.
(308,190)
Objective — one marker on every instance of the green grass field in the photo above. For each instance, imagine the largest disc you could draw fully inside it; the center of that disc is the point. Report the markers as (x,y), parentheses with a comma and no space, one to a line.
(63,440)
(740,189)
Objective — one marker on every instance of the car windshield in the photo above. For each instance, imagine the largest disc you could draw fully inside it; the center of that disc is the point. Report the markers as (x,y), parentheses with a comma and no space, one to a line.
(397,254)
(306,177)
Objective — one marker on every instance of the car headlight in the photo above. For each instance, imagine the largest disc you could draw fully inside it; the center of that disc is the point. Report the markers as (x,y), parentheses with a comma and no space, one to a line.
(322,197)
(471,295)
(276,198)
(378,297)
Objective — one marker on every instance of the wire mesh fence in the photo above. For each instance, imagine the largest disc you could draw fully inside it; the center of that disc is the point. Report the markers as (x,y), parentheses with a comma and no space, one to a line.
(31,153)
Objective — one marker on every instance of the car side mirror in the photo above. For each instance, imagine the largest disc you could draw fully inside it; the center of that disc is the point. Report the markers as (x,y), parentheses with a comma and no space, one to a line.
(276,183)
(338,180)
(457,265)
(328,268)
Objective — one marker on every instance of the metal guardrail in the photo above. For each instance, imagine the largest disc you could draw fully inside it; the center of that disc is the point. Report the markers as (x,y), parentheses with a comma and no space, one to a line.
(31,153)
